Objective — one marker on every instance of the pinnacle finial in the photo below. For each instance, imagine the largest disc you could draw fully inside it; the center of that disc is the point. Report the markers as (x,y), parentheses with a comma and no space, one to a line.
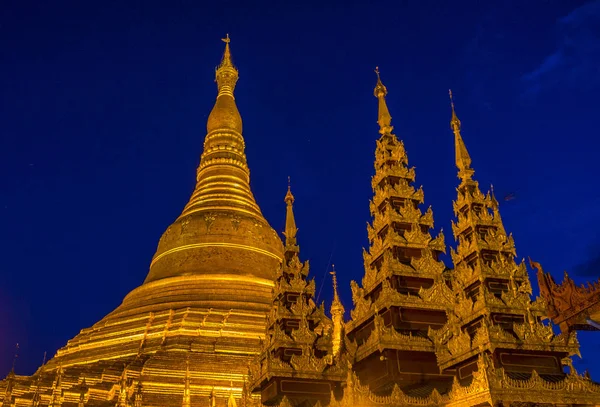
(336,296)
(226,75)
(291,230)
(289,197)
(380,89)
(334,278)
(493,195)
(454,123)
(384,119)
(227,54)
(463,159)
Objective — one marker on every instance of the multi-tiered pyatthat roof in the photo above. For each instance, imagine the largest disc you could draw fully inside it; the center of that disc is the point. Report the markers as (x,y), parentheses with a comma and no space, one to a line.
(493,316)
(403,291)
(298,364)
(191,329)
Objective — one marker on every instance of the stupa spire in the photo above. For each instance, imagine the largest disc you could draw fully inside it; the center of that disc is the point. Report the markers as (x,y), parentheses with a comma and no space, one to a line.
(222,203)
(463,159)
(337,316)
(226,74)
(291,244)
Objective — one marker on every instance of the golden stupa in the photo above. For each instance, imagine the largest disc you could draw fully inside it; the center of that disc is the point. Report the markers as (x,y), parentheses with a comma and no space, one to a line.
(226,315)
(208,288)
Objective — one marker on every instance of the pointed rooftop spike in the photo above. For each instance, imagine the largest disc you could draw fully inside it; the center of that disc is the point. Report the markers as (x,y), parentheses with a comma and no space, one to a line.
(463,159)
(384,119)
(291,244)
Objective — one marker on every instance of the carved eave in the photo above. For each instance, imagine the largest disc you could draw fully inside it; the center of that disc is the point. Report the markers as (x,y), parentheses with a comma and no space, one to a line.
(306,366)
(395,171)
(297,286)
(466,198)
(358,395)
(402,190)
(419,268)
(487,303)
(414,238)
(491,243)
(437,297)
(405,215)
(481,271)
(532,337)
(389,338)
(471,220)
(494,386)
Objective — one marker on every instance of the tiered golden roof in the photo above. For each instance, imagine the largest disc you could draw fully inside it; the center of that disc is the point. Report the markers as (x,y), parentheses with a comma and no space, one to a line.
(226,315)
(403,291)
(298,353)
(492,315)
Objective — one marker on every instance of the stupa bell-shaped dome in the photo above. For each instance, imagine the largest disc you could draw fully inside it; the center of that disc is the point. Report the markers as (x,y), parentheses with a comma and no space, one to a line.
(209,286)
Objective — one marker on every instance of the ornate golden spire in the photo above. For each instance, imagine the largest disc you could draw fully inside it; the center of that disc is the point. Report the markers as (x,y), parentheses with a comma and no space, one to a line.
(336,297)
(291,244)
(226,75)
(337,316)
(222,215)
(463,159)
(384,119)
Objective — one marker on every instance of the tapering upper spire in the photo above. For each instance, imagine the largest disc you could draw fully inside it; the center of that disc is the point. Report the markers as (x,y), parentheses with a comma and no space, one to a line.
(222,215)
(336,297)
(384,119)
(225,114)
(463,159)
(226,75)
(337,316)
(291,244)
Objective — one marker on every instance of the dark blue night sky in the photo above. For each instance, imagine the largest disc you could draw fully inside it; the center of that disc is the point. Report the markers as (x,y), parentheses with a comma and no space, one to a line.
(103,106)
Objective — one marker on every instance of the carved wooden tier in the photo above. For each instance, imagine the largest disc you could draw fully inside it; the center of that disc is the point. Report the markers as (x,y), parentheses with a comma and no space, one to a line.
(569,306)
(493,313)
(226,315)
(297,363)
(403,291)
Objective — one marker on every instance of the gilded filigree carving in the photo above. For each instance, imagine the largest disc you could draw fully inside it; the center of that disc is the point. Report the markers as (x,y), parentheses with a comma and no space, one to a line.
(362,306)
(308,362)
(209,219)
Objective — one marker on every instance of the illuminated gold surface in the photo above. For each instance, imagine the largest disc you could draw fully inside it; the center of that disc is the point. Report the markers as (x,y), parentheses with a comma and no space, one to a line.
(211,322)
(299,345)
(194,325)
(222,221)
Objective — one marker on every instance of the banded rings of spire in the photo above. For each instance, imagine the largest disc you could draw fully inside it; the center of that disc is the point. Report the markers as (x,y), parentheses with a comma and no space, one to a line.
(221,235)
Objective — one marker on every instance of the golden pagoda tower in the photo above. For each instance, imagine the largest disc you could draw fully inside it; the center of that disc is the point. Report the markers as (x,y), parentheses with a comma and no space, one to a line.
(227,310)
(403,291)
(494,334)
(205,298)
(297,364)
